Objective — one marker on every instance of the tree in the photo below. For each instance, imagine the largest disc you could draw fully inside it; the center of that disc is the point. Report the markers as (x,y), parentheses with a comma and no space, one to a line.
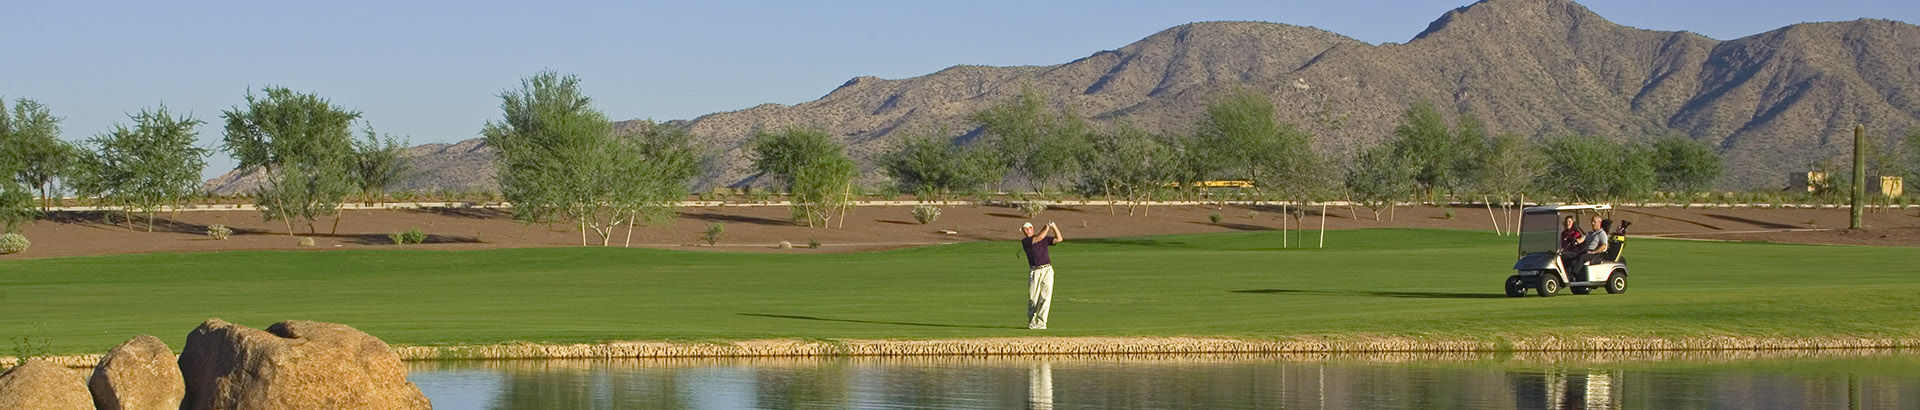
(1248,141)
(304,144)
(378,164)
(1508,166)
(930,166)
(1379,177)
(813,167)
(1685,166)
(1040,144)
(1440,157)
(560,160)
(30,137)
(1595,169)
(1128,161)
(145,168)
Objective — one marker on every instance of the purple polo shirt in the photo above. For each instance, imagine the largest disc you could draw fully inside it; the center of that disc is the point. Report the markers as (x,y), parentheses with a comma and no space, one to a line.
(1037,250)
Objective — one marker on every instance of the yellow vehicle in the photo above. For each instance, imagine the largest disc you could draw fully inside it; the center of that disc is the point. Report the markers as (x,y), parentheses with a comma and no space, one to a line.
(1218,184)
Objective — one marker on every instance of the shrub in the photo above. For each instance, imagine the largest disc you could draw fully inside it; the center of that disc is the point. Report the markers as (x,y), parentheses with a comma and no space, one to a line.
(13,243)
(926,214)
(1215,217)
(219,232)
(1032,208)
(1449,214)
(712,236)
(306,242)
(889,193)
(1251,214)
(410,236)
(813,243)
(759,195)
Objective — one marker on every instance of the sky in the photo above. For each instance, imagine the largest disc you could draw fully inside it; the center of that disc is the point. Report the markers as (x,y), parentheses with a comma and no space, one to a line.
(431,71)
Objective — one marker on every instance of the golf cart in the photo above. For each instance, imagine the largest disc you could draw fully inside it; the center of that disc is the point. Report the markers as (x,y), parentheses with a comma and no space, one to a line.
(1541,267)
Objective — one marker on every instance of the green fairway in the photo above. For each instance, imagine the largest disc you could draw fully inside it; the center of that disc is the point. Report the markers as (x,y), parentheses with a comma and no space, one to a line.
(1379,282)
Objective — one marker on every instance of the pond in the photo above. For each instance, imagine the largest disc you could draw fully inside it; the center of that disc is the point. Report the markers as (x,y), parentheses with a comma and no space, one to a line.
(1847,379)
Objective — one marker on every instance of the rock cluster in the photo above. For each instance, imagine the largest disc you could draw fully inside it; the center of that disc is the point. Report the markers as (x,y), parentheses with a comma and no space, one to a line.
(290,365)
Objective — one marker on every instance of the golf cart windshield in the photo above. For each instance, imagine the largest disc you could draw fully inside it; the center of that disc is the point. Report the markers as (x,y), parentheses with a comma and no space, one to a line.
(1540,231)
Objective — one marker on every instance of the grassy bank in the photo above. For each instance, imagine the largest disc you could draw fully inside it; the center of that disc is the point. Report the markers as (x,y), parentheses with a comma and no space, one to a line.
(1396,283)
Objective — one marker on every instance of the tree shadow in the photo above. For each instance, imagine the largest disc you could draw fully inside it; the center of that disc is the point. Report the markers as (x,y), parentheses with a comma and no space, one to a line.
(381,239)
(1235,226)
(877,322)
(890,221)
(709,216)
(1756,222)
(1007,215)
(113,220)
(463,212)
(1416,295)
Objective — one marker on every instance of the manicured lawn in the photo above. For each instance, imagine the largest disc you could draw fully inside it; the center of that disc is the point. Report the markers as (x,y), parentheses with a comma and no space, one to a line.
(1391,282)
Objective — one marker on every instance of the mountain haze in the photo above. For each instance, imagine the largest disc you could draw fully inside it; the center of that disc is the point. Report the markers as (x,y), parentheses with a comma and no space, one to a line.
(1772,103)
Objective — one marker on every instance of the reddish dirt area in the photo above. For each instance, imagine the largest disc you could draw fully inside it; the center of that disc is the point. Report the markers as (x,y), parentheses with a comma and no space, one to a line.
(759,228)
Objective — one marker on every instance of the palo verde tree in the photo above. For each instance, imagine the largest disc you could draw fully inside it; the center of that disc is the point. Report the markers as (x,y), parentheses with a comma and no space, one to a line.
(562,161)
(1248,141)
(30,140)
(1441,155)
(1508,166)
(145,168)
(930,166)
(1684,166)
(378,164)
(1379,177)
(1129,162)
(1035,141)
(813,168)
(1584,169)
(302,144)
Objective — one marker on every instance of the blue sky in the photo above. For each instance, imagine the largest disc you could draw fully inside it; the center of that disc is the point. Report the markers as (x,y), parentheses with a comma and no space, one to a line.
(430,70)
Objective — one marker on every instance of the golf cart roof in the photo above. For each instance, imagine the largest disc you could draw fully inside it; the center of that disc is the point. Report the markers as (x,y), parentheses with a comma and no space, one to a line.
(1558,208)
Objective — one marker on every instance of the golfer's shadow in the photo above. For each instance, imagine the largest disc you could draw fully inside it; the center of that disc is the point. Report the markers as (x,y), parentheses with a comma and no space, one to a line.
(1418,295)
(876,322)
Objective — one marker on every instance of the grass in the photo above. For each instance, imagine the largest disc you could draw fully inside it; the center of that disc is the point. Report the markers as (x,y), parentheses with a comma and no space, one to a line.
(1421,283)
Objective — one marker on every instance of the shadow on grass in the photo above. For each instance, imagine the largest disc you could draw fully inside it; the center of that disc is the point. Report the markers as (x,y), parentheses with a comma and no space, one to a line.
(1416,295)
(878,322)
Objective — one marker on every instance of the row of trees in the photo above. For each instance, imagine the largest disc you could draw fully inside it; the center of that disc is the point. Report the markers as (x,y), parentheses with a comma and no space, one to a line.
(302,145)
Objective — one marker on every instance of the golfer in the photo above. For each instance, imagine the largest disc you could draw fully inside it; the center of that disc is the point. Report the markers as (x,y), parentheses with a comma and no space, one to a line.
(1039,272)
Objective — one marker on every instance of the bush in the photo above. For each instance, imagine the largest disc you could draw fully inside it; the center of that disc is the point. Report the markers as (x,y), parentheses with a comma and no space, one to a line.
(1215,217)
(889,193)
(926,214)
(305,242)
(813,243)
(13,243)
(219,232)
(1032,208)
(712,236)
(410,236)
(1449,214)
(1251,214)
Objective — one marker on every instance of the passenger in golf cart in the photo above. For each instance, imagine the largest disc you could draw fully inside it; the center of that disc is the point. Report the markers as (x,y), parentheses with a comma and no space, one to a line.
(1555,254)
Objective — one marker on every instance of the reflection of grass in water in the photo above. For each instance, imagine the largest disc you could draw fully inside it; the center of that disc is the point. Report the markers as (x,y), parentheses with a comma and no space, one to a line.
(1425,284)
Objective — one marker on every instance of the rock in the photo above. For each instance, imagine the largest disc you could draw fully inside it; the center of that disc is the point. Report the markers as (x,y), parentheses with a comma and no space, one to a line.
(43,385)
(293,365)
(140,374)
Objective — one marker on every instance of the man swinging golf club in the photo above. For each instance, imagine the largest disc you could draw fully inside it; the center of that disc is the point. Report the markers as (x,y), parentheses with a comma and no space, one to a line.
(1039,272)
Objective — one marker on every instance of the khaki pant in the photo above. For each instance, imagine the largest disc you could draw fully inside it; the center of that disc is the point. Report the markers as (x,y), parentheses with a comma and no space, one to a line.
(1039,296)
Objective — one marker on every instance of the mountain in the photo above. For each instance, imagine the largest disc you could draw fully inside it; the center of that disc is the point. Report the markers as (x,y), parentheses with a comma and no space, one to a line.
(1772,103)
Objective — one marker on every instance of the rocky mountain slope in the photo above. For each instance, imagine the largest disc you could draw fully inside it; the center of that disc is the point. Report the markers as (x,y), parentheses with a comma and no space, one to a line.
(1772,102)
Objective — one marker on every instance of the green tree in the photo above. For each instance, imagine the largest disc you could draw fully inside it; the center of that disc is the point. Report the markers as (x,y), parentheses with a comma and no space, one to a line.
(1440,155)
(378,164)
(1508,166)
(561,161)
(1685,166)
(145,168)
(813,168)
(1248,141)
(30,139)
(303,144)
(1128,161)
(930,166)
(1595,169)
(1038,143)
(1379,177)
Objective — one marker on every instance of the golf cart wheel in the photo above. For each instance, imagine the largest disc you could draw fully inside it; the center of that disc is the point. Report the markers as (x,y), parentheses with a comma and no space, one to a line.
(1549,285)
(1617,283)
(1516,287)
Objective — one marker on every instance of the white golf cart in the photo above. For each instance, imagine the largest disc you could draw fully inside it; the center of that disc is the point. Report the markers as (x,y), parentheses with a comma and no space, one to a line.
(1541,266)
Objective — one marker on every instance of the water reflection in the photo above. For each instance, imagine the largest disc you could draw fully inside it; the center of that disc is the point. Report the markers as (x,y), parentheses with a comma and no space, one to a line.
(1849,379)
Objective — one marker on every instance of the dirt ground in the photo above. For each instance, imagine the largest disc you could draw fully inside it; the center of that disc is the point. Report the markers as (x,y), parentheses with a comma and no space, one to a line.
(759,228)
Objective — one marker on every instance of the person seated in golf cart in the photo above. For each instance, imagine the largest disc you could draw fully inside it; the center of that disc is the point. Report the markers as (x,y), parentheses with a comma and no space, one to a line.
(1570,249)
(1593,248)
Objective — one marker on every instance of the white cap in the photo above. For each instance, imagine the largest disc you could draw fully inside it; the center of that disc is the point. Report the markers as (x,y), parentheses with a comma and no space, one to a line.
(1026,225)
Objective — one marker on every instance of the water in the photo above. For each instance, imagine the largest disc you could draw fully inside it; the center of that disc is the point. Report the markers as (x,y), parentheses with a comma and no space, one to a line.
(1765,380)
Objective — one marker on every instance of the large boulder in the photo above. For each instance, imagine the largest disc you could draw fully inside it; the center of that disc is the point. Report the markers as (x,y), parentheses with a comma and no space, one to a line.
(43,385)
(293,365)
(140,374)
